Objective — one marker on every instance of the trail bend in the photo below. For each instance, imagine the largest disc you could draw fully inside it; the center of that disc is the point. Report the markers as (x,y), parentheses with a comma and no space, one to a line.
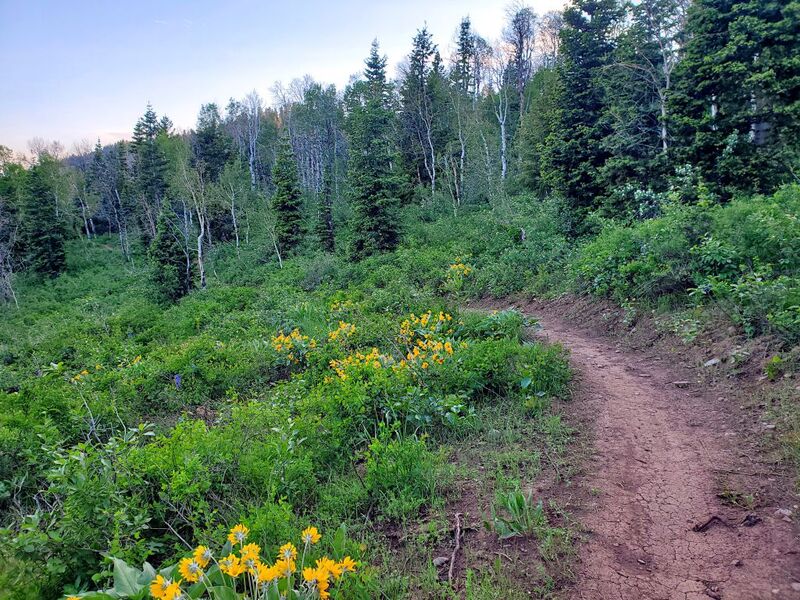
(660,444)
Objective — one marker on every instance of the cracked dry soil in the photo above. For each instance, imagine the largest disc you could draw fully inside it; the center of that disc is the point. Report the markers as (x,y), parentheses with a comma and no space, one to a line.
(658,447)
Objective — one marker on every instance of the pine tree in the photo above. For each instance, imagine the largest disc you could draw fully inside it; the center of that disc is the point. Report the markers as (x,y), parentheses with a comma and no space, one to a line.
(171,267)
(737,93)
(287,201)
(577,153)
(43,232)
(325,229)
(462,72)
(150,167)
(373,179)
(211,147)
(538,127)
(423,111)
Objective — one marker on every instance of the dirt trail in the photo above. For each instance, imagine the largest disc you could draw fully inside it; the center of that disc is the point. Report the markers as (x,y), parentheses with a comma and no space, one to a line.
(659,450)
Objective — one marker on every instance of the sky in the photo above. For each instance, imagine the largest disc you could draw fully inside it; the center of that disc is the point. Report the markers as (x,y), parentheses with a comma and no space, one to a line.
(83,70)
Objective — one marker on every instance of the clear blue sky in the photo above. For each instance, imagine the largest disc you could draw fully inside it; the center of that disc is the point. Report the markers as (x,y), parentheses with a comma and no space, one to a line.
(85,69)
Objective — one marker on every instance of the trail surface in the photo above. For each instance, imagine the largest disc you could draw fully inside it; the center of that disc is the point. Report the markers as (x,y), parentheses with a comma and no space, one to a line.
(660,445)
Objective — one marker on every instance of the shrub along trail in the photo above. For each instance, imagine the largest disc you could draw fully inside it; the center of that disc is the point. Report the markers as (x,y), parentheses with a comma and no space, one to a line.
(651,483)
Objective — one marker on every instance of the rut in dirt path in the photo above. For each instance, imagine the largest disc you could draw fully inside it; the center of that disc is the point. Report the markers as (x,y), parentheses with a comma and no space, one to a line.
(658,449)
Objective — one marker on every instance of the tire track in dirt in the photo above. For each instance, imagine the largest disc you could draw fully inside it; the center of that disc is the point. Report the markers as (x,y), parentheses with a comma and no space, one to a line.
(658,449)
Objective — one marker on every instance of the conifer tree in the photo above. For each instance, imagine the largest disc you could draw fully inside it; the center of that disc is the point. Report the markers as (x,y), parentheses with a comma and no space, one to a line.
(462,72)
(737,93)
(150,167)
(171,266)
(325,229)
(372,173)
(211,147)
(577,154)
(287,201)
(43,232)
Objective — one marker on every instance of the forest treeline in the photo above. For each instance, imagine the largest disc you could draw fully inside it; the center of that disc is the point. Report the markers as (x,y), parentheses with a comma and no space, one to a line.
(258,324)
(608,106)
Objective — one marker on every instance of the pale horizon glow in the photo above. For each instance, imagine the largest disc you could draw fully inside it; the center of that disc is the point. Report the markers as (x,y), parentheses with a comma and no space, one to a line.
(80,71)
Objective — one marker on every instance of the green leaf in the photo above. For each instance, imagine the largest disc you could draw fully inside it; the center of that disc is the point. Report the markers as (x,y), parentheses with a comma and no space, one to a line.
(221,592)
(339,542)
(126,578)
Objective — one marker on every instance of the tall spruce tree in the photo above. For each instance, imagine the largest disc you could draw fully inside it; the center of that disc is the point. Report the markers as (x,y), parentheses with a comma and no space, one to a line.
(287,201)
(150,166)
(211,147)
(43,231)
(171,269)
(578,153)
(325,229)
(374,181)
(737,94)
(463,64)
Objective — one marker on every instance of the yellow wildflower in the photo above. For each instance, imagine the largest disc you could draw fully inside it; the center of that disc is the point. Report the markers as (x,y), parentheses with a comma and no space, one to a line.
(238,534)
(285,567)
(329,566)
(158,586)
(202,556)
(348,564)
(231,565)
(190,570)
(267,573)
(173,591)
(250,552)
(287,552)
(311,535)
(318,578)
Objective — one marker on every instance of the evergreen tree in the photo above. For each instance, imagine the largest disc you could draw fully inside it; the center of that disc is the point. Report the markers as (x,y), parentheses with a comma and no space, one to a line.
(287,201)
(539,125)
(737,93)
(325,229)
(424,108)
(150,167)
(171,267)
(211,147)
(464,60)
(43,232)
(373,179)
(576,153)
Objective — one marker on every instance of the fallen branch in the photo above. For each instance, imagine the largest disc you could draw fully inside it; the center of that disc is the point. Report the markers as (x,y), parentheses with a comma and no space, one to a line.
(455,550)
(701,527)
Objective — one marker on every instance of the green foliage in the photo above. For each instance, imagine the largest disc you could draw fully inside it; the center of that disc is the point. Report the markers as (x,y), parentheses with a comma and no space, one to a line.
(738,58)
(171,267)
(744,257)
(43,231)
(401,474)
(374,185)
(515,514)
(287,200)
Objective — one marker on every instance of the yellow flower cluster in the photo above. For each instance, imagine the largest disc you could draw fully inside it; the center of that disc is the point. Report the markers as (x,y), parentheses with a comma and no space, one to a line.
(259,575)
(294,346)
(425,326)
(373,359)
(84,373)
(341,306)
(163,588)
(342,332)
(426,337)
(459,268)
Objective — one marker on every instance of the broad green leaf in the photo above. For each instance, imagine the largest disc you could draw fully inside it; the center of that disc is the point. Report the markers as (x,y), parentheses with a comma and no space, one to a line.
(126,578)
